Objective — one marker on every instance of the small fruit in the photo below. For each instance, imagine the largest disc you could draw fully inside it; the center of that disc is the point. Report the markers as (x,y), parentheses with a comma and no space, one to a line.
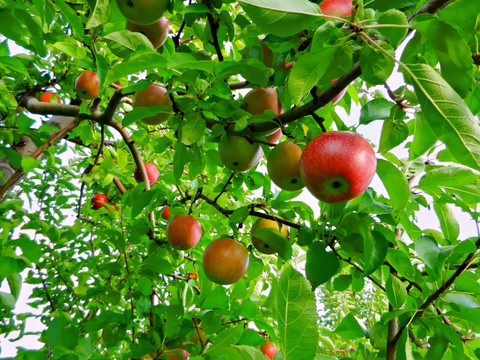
(192,276)
(238,154)
(166,212)
(337,166)
(269,349)
(342,8)
(154,95)
(267,223)
(87,85)
(183,232)
(152,173)
(225,261)
(178,354)
(275,137)
(99,200)
(49,97)
(260,99)
(143,12)
(283,165)
(157,32)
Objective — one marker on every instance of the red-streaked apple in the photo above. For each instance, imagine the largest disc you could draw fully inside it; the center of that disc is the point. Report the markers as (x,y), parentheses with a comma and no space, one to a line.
(183,232)
(87,85)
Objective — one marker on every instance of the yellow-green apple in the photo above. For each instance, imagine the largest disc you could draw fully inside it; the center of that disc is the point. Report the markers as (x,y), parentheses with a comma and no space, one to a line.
(283,165)
(269,349)
(337,166)
(260,99)
(165,212)
(225,261)
(271,224)
(239,154)
(143,12)
(154,95)
(99,200)
(341,8)
(178,354)
(152,173)
(87,85)
(183,232)
(48,97)
(157,32)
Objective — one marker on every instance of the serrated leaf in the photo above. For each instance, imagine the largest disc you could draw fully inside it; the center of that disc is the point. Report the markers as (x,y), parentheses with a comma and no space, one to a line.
(321,265)
(446,113)
(283,17)
(296,314)
(395,183)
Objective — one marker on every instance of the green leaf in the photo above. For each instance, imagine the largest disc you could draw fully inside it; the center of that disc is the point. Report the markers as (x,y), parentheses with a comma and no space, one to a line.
(99,14)
(396,291)
(377,109)
(321,265)
(438,347)
(305,236)
(423,137)
(401,262)
(8,267)
(350,328)
(383,5)
(275,240)
(71,17)
(226,337)
(180,159)
(192,130)
(283,17)
(296,314)
(374,251)
(138,64)
(448,116)
(394,35)
(15,285)
(429,252)
(376,66)
(394,131)
(448,222)
(7,301)
(452,51)
(29,163)
(252,70)
(395,183)
(124,42)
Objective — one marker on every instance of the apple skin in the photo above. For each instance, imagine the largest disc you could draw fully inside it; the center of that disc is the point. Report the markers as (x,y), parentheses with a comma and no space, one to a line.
(266,223)
(152,173)
(275,137)
(87,85)
(269,349)
(173,356)
(183,232)
(238,154)
(225,261)
(342,8)
(283,165)
(260,99)
(49,97)
(152,96)
(157,32)
(337,166)
(98,201)
(143,12)
(166,213)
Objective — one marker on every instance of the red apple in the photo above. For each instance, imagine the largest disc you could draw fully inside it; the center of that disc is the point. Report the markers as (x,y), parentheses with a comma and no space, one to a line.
(178,354)
(98,201)
(192,276)
(225,261)
(269,349)
(340,94)
(49,97)
(275,137)
(154,95)
(165,212)
(183,232)
(87,85)
(260,99)
(143,12)
(152,173)
(342,8)
(337,166)
(157,32)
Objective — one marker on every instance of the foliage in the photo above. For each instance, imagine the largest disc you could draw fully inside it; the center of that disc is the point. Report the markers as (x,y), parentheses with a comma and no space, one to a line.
(357,280)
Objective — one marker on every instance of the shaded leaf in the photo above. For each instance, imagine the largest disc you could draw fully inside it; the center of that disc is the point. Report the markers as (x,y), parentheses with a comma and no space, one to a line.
(321,265)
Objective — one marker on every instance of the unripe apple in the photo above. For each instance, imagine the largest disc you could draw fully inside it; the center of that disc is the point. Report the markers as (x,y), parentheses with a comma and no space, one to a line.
(271,224)
(166,212)
(49,97)
(183,232)
(154,95)
(238,154)
(152,173)
(157,32)
(337,166)
(260,99)
(98,201)
(225,261)
(87,85)
(269,349)
(178,354)
(283,165)
(143,12)
(275,137)
(342,8)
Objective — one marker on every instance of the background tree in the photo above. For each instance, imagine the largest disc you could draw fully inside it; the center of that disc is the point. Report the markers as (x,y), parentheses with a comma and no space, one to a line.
(361,280)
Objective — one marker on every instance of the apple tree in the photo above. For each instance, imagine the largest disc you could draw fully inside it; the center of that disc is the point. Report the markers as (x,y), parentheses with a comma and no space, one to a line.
(119,116)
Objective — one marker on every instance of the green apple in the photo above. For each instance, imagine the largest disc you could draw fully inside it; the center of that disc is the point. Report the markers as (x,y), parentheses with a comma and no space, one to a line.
(283,165)
(271,224)
(143,12)
(238,154)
